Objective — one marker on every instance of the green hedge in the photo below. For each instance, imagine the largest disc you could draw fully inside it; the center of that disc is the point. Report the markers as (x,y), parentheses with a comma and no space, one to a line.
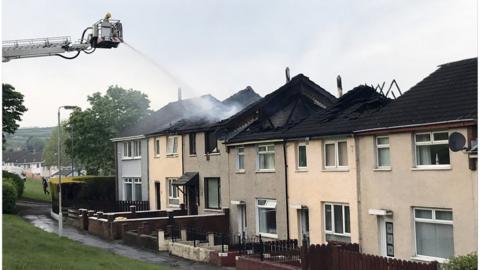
(467,262)
(84,188)
(18,182)
(9,196)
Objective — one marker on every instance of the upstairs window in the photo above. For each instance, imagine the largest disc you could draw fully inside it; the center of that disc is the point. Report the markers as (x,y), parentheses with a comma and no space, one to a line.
(127,149)
(302,156)
(157,147)
(383,151)
(172,145)
(132,149)
(192,143)
(266,157)
(210,142)
(240,158)
(335,154)
(137,148)
(432,149)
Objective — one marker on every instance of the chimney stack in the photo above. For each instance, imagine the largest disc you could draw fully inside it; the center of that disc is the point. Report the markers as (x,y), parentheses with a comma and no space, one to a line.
(179,94)
(287,74)
(339,86)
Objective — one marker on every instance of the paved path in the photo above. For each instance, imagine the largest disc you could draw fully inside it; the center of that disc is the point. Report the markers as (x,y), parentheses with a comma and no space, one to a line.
(38,213)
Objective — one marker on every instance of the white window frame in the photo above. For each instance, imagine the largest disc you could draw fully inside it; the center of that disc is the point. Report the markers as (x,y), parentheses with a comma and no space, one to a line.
(156,146)
(172,151)
(171,195)
(237,161)
(382,146)
(133,181)
(269,204)
(132,149)
(265,153)
(337,162)
(127,150)
(298,156)
(433,220)
(332,218)
(431,142)
(137,149)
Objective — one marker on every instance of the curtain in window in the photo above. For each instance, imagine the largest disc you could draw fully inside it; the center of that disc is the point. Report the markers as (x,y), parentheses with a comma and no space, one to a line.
(435,240)
(241,162)
(266,161)
(213,196)
(383,156)
(330,155)
(342,154)
(423,155)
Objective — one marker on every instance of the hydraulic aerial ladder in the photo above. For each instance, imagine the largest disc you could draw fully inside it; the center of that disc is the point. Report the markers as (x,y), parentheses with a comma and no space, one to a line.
(104,34)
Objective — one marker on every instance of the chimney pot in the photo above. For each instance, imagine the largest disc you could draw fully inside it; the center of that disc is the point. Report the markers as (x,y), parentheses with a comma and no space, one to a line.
(339,86)
(287,74)
(179,94)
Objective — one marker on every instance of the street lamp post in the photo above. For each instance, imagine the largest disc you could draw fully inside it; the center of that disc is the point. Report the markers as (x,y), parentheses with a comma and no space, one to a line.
(59,162)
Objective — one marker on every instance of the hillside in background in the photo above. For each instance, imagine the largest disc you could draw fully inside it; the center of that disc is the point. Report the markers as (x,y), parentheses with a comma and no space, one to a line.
(35,137)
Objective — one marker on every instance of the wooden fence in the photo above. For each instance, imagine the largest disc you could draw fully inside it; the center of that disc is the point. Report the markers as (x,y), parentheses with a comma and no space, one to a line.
(332,257)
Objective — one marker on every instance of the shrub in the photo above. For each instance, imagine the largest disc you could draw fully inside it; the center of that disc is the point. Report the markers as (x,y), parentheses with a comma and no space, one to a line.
(19,182)
(466,262)
(9,197)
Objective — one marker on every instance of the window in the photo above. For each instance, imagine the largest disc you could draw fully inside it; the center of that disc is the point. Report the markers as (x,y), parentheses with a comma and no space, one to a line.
(172,144)
(266,157)
(433,232)
(172,193)
(432,149)
(302,156)
(383,151)
(337,222)
(267,217)
(132,149)
(192,143)
(335,154)
(133,189)
(38,165)
(210,142)
(157,147)
(240,158)
(212,193)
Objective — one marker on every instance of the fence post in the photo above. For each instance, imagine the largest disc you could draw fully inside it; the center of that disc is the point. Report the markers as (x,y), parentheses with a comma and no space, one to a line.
(183,234)
(223,242)
(334,257)
(261,247)
(304,254)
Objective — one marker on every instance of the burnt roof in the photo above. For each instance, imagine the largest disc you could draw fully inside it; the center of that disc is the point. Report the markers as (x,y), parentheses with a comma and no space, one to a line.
(449,93)
(22,156)
(279,111)
(348,114)
(242,98)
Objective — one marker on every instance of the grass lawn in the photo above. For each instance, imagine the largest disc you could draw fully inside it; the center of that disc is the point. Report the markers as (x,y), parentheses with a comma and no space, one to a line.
(27,247)
(34,190)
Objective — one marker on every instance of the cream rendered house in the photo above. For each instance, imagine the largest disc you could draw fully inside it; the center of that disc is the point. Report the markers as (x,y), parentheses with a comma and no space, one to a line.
(323,171)
(418,197)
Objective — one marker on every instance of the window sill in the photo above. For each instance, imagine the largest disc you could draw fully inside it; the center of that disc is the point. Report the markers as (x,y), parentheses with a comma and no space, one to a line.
(335,169)
(428,259)
(131,158)
(172,155)
(264,171)
(268,235)
(213,154)
(213,210)
(156,156)
(383,169)
(192,155)
(300,170)
(433,168)
(240,171)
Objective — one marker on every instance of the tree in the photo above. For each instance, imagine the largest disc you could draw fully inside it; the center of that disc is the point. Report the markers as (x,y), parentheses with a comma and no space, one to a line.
(94,127)
(50,149)
(13,109)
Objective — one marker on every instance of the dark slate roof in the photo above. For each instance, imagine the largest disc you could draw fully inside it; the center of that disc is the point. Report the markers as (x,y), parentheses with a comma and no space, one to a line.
(449,93)
(202,122)
(22,156)
(280,110)
(171,113)
(348,114)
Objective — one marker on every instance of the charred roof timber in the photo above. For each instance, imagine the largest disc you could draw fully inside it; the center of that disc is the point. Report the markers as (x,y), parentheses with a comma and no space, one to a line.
(339,86)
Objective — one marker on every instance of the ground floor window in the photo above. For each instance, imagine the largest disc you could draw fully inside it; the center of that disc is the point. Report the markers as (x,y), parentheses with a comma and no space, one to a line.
(132,189)
(212,193)
(433,232)
(337,222)
(173,199)
(267,217)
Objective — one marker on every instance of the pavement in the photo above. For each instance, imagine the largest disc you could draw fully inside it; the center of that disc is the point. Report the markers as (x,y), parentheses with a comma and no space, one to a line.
(38,214)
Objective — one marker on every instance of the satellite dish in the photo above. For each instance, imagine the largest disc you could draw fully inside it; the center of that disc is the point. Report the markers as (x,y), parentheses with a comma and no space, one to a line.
(456,142)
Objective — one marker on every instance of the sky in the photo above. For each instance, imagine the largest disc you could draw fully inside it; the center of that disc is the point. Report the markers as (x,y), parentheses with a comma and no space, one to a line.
(220,47)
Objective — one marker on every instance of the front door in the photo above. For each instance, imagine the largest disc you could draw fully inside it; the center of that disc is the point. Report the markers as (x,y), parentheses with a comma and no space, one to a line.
(192,199)
(242,220)
(157,195)
(386,237)
(304,225)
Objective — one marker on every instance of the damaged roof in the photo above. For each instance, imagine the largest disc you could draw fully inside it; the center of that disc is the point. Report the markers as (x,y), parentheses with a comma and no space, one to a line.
(448,94)
(279,111)
(348,114)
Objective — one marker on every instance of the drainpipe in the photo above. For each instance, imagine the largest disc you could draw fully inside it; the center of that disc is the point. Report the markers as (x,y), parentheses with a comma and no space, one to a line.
(358,182)
(116,171)
(148,168)
(286,187)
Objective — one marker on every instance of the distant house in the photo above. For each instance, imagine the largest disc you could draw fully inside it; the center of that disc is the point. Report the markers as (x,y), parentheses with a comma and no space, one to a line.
(31,162)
